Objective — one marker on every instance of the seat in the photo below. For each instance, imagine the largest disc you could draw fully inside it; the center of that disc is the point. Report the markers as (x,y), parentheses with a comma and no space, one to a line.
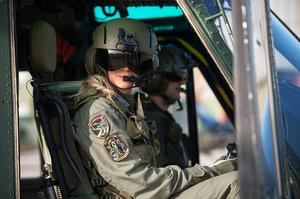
(56,134)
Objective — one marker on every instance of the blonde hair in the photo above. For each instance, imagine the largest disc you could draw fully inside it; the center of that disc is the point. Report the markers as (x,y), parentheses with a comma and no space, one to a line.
(98,83)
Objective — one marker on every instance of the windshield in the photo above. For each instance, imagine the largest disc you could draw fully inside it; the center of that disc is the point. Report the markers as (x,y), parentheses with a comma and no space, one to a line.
(287,63)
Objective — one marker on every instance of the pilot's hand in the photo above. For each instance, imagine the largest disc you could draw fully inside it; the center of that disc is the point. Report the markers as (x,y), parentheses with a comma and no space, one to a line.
(232,150)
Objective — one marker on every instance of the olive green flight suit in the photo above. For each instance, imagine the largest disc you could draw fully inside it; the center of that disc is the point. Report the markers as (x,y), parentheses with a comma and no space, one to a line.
(170,144)
(106,145)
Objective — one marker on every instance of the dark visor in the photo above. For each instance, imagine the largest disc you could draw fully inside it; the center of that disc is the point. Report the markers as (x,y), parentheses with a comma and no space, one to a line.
(177,76)
(134,61)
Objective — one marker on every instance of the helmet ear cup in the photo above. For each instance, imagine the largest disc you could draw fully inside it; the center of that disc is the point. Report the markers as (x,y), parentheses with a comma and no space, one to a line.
(89,60)
(95,58)
(101,58)
(157,86)
(153,86)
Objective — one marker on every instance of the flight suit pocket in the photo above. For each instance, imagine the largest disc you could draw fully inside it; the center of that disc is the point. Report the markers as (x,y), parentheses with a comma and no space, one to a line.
(174,132)
(146,153)
(137,128)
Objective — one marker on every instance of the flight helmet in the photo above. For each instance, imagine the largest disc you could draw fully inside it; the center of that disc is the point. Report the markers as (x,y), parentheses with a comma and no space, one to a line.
(129,42)
(173,64)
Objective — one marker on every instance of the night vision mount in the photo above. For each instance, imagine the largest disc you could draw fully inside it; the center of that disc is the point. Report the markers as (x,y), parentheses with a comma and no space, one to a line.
(127,42)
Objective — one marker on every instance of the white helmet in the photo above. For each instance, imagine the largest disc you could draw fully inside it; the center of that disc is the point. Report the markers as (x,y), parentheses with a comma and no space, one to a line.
(126,41)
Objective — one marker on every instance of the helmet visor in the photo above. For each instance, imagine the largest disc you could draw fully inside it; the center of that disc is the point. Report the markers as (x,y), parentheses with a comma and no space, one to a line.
(134,61)
(177,76)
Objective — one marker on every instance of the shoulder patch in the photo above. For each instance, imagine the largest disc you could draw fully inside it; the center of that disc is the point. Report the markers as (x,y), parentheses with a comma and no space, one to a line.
(116,147)
(99,125)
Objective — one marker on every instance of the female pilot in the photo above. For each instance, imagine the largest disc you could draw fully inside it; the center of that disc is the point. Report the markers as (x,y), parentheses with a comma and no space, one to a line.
(113,139)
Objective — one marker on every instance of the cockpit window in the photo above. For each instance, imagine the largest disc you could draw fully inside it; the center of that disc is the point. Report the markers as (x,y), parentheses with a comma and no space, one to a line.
(220,12)
(106,13)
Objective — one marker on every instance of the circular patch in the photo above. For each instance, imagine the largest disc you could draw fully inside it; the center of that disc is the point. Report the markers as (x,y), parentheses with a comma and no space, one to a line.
(116,147)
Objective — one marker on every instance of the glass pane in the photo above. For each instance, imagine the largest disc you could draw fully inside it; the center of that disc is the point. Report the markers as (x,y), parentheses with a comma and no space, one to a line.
(222,18)
(215,130)
(288,67)
(146,12)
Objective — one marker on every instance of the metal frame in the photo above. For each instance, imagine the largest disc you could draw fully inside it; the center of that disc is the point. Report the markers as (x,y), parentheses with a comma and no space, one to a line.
(205,28)
(220,71)
(252,37)
(9,167)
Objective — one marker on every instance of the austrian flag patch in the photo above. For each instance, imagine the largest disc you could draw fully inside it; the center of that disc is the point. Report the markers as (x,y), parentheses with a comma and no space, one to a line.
(99,125)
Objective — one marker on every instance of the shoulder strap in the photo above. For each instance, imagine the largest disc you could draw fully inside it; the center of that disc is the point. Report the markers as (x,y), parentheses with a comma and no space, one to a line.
(42,142)
(136,126)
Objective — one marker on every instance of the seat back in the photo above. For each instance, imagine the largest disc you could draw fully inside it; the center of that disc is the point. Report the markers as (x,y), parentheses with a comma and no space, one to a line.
(42,46)
(53,116)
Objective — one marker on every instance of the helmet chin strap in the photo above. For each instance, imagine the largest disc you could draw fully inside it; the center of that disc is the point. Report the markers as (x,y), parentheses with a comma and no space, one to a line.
(180,108)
